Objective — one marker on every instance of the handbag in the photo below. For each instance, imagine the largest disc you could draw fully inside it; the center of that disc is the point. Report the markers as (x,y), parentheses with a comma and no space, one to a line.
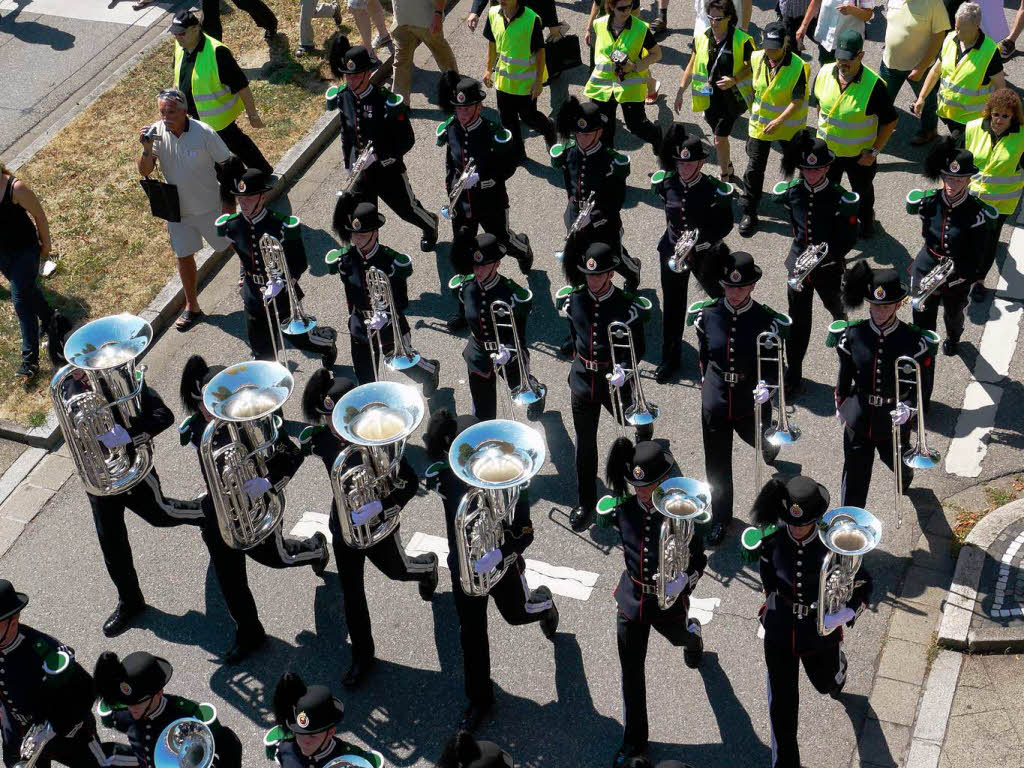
(562,55)
(163,199)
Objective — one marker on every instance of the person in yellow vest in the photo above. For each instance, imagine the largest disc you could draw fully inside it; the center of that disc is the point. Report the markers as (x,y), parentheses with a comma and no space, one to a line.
(515,68)
(719,76)
(597,8)
(855,118)
(624,50)
(779,110)
(967,71)
(216,89)
(996,139)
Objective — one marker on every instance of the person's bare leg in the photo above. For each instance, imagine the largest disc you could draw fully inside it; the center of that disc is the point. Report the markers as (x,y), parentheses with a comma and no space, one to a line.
(363,25)
(377,14)
(187,273)
(722,149)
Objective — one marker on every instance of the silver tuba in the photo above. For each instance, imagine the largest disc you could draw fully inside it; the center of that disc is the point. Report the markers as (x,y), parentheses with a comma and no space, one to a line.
(276,264)
(104,351)
(185,743)
(448,211)
(684,502)
(243,400)
(34,744)
(805,264)
(771,349)
(382,301)
(679,261)
(376,419)
(930,283)
(529,393)
(908,372)
(496,458)
(640,413)
(849,533)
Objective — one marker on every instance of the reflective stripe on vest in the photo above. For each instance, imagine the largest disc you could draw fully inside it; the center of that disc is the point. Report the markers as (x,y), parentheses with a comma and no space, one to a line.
(773,95)
(842,119)
(514,71)
(961,95)
(1000,181)
(603,83)
(216,104)
(700,84)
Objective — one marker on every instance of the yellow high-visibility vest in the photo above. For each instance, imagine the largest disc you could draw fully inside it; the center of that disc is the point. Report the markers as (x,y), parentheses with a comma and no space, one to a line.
(999,180)
(843,121)
(217,105)
(961,93)
(514,69)
(700,84)
(603,84)
(773,94)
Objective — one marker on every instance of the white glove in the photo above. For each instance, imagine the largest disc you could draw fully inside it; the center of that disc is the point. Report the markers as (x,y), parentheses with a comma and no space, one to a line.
(367,512)
(503,355)
(617,377)
(472,180)
(842,616)
(488,562)
(902,414)
(115,438)
(273,288)
(762,392)
(377,321)
(255,487)
(677,585)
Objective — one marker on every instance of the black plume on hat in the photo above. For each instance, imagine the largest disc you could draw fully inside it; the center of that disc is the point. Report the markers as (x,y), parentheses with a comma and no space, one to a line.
(191,388)
(336,56)
(289,689)
(108,674)
(619,456)
(343,210)
(674,136)
(770,501)
(855,286)
(229,172)
(794,149)
(446,87)
(935,160)
(441,431)
(313,394)
(571,256)
(568,113)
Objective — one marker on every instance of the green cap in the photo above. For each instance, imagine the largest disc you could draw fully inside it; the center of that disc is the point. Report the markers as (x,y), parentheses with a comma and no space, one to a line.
(849,44)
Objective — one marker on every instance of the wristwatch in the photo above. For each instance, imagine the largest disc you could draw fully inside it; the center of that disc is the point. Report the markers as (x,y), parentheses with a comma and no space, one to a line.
(874,152)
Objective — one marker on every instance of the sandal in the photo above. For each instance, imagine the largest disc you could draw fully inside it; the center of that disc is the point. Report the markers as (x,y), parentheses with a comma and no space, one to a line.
(653,95)
(139,5)
(187,320)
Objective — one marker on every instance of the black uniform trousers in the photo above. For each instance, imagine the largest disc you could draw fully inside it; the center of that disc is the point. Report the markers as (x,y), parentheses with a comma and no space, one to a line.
(493,221)
(862,181)
(633,637)
(859,459)
(82,750)
(635,117)
(828,285)
(516,604)
(718,455)
(758,152)
(391,185)
(954,301)
(675,288)
(362,359)
(261,14)
(513,108)
(261,340)
(147,501)
(989,257)
(244,147)
(484,392)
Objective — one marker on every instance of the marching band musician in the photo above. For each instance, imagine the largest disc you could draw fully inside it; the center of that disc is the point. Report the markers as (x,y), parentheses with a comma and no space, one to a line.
(866,388)
(276,551)
(727,333)
(322,393)
(477,293)
(955,225)
(358,224)
(790,563)
(371,114)
(133,701)
(306,735)
(244,230)
(692,201)
(594,303)
(644,466)
(515,601)
(821,212)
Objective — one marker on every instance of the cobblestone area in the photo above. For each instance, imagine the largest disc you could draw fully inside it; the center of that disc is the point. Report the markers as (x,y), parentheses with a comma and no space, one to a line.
(1002,580)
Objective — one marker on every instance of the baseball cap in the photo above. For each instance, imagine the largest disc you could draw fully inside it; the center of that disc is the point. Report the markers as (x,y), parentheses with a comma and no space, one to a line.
(774,36)
(849,44)
(183,21)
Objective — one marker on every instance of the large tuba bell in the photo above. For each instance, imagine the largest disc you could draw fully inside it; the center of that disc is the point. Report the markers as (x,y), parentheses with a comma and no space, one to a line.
(497,458)
(849,533)
(771,349)
(376,419)
(185,743)
(620,342)
(243,400)
(104,351)
(684,502)
(529,393)
(908,373)
(382,301)
(34,744)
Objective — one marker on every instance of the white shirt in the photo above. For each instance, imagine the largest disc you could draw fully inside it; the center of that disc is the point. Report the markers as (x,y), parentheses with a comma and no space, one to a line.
(831,23)
(187,162)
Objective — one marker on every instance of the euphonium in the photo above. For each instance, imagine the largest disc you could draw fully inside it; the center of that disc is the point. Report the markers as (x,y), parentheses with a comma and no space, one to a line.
(496,458)
(457,189)
(908,372)
(185,743)
(382,300)
(360,164)
(679,261)
(243,400)
(376,419)
(34,744)
(930,283)
(640,413)
(849,533)
(104,351)
(805,264)
(528,392)
(684,502)
(276,263)
(772,349)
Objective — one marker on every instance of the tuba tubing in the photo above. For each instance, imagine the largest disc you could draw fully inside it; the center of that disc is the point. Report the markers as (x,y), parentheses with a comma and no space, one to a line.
(356,487)
(837,578)
(479,528)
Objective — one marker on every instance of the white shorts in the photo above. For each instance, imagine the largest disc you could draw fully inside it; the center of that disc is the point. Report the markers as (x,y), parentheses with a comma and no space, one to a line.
(357,5)
(188,234)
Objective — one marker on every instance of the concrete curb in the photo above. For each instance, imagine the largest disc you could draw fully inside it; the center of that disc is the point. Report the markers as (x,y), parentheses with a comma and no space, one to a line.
(955,628)
(936,704)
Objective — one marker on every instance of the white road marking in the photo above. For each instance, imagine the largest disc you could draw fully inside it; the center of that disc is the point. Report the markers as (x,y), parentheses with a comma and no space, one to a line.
(89,10)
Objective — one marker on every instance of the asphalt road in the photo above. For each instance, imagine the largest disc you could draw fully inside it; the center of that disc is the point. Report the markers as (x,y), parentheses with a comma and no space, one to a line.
(560,705)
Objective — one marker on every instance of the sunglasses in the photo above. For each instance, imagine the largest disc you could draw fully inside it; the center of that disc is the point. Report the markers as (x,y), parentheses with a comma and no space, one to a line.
(623,8)
(716,19)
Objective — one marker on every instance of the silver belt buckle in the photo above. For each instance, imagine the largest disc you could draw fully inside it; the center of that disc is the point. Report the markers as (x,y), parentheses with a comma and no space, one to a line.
(730,378)
(490,346)
(876,400)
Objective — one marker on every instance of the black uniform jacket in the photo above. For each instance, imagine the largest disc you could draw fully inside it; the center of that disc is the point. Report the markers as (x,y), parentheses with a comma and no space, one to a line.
(289,755)
(703,204)
(477,300)
(727,350)
(866,390)
(245,236)
(790,573)
(380,116)
(600,170)
(489,145)
(640,529)
(352,267)
(954,231)
(589,318)
(827,214)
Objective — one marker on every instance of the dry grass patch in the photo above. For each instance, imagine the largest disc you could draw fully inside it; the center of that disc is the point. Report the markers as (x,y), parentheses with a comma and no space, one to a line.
(1000,493)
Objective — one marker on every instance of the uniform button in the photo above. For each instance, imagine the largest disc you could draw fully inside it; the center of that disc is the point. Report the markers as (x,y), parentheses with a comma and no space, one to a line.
(799,562)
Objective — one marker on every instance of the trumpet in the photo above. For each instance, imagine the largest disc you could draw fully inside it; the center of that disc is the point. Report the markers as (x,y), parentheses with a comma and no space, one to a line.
(528,393)
(457,189)
(683,502)
(908,372)
(382,301)
(497,459)
(377,419)
(937,276)
(640,413)
(849,533)
(361,163)
(34,744)
(679,261)
(185,743)
(805,264)
(299,321)
(781,431)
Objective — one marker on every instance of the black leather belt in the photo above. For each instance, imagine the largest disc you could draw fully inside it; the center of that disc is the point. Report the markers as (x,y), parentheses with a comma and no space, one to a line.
(647,589)
(800,610)
(878,400)
(255,279)
(729,377)
(593,365)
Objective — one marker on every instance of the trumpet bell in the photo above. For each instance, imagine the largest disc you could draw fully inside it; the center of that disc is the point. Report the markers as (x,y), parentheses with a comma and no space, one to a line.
(683,498)
(497,454)
(850,531)
(247,391)
(108,342)
(378,413)
(185,743)
(918,458)
(782,437)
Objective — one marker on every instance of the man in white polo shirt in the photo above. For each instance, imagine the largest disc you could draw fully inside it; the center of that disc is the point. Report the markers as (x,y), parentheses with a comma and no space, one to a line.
(189,152)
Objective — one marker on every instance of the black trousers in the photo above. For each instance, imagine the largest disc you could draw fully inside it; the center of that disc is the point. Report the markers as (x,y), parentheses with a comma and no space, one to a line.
(516,603)
(825,669)
(862,181)
(633,637)
(718,456)
(81,750)
(675,288)
(484,392)
(261,14)
(954,301)
(318,341)
(635,117)
(362,360)
(493,221)
(147,501)
(859,459)
(758,151)
(990,250)
(828,286)
(392,186)
(244,147)
(515,108)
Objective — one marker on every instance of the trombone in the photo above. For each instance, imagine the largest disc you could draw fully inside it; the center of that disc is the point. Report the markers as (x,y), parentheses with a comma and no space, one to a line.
(382,302)
(528,393)
(781,431)
(299,322)
(908,372)
(640,413)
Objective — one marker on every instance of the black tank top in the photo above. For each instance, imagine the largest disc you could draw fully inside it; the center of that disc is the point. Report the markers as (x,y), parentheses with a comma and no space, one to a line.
(19,230)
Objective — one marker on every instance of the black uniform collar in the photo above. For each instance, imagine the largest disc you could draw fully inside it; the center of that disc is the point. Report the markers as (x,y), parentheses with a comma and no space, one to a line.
(697,179)
(159,710)
(495,279)
(963,199)
(824,183)
(474,125)
(329,746)
(799,542)
(598,146)
(738,310)
(607,295)
(887,330)
(257,218)
(14,644)
(371,254)
(364,94)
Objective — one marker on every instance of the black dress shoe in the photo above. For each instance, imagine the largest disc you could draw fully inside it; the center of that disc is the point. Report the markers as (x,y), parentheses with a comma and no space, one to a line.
(692,656)
(121,619)
(428,584)
(715,534)
(435,377)
(748,225)
(429,239)
(456,323)
(665,369)
(357,672)
(474,715)
(950,347)
(549,624)
(27,370)
(244,646)
(321,565)
(867,227)
(626,751)
(566,348)
(526,263)
(580,518)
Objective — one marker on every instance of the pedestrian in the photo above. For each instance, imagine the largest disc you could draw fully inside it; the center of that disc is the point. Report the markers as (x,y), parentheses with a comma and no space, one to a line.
(188,152)
(791,14)
(700,13)
(208,75)
(26,242)
(597,8)
(1008,43)
(833,18)
(257,9)
(855,118)
(309,10)
(364,12)
(418,21)
(967,72)
(914,31)
(993,17)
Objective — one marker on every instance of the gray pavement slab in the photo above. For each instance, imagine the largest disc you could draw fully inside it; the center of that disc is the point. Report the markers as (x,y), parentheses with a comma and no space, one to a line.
(9,452)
